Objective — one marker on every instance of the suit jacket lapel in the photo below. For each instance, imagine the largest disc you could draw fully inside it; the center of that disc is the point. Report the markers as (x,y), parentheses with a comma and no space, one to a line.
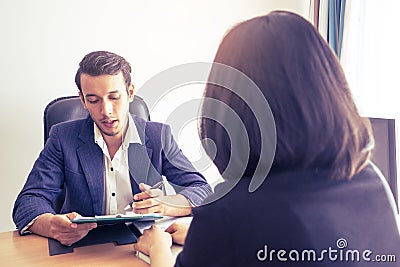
(139,158)
(139,162)
(92,162)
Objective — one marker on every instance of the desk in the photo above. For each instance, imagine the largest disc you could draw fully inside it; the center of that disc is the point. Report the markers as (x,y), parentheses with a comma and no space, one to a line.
(32,250)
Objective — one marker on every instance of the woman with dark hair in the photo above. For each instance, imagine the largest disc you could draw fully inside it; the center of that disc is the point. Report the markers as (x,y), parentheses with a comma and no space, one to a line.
(319,201)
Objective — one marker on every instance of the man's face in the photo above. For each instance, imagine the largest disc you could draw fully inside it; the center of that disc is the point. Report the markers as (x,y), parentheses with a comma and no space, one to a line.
(107,100)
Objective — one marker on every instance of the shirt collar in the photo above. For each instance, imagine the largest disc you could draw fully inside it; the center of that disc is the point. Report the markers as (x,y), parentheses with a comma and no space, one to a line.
(131,135)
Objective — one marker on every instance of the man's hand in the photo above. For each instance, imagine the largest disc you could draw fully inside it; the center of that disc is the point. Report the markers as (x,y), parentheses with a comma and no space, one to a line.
(61,228)
(153,201)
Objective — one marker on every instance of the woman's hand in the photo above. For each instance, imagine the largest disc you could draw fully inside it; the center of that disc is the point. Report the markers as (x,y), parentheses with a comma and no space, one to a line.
(178,232)
(153,238)
(156,243)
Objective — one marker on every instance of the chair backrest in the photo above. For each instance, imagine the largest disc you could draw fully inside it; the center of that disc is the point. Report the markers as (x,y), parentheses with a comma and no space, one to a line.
(70,108)
(384,153)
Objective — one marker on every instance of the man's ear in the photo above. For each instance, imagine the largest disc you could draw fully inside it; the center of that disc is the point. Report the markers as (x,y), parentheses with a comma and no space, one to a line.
(82,100)
(131,92)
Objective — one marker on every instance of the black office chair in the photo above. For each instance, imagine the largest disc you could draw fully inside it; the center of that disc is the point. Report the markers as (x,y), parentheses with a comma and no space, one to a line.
(384,153)
(70,108)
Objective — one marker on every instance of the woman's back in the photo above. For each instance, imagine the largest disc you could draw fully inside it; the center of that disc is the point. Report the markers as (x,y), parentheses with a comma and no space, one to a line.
(296,218)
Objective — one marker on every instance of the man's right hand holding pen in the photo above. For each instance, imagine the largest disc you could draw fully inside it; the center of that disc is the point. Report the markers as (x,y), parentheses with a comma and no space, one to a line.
(153,200)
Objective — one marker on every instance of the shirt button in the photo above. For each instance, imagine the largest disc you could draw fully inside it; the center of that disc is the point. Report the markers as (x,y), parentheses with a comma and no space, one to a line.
(112,169)
(113,194)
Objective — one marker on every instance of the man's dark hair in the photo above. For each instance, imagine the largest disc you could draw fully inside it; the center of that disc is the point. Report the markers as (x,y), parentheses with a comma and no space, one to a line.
(103,63)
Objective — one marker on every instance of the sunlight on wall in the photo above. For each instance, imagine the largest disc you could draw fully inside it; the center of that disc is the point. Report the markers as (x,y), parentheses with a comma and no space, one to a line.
(370,57)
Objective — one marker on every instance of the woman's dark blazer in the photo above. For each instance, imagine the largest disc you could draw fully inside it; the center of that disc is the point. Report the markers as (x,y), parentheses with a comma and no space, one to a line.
(292,215)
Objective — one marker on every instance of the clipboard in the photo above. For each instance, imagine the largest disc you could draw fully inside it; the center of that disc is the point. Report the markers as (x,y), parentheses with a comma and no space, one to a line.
(120,233)
(117,218)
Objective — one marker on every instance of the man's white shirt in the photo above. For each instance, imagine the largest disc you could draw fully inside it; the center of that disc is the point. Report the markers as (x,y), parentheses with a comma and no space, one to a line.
(117,189)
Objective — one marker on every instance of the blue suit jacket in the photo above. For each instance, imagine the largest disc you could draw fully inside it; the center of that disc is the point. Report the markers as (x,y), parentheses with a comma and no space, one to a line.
(72,160)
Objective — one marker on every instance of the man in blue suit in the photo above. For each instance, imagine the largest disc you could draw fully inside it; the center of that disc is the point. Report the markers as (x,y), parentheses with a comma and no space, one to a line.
(105,161)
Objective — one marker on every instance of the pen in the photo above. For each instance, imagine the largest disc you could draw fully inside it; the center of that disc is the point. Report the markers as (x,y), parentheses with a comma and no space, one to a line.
(158,185)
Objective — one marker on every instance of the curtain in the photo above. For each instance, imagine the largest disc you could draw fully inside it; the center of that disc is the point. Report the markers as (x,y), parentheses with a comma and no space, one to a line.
(328,17)
(336,12)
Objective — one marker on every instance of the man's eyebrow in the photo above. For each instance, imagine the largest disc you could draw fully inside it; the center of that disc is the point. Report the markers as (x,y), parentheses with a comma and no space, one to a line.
(88,95)
(114,92)
(111,92)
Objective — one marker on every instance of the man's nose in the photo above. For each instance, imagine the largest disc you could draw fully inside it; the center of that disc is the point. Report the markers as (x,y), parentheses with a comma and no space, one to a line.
(106,107)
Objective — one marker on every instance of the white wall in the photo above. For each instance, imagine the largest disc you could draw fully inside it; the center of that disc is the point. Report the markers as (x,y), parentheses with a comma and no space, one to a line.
(42,42)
